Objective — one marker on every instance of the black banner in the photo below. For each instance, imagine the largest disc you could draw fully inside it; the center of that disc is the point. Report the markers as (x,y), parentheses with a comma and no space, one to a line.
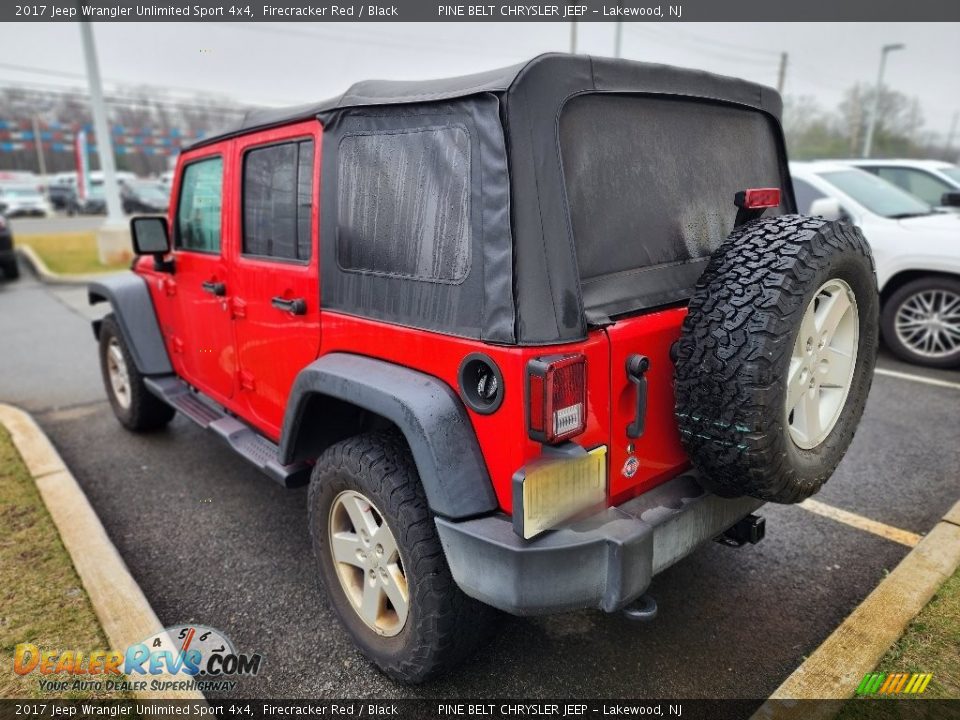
(487,709)
(480,11)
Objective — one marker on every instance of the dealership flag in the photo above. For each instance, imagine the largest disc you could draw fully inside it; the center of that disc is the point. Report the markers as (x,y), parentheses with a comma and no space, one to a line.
(83,166)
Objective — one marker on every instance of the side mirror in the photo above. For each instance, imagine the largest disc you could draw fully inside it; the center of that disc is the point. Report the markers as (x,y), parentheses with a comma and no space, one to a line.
(151,237)
(951,199)
(827,208)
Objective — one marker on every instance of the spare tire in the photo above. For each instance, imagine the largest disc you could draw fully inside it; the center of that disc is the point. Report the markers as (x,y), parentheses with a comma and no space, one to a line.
(776,357)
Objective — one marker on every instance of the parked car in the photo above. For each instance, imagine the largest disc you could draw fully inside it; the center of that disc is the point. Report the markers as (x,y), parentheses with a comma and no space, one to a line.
(94,201)
(916,248)
(23,200)
(496,369)
(62,196)
(935,182)
(144,197)
(8,258)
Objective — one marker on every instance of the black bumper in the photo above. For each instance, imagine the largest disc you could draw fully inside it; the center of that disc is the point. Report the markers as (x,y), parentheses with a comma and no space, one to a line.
(604,562)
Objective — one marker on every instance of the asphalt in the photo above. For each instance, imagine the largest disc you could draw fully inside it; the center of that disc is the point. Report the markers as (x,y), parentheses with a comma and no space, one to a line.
(212,541)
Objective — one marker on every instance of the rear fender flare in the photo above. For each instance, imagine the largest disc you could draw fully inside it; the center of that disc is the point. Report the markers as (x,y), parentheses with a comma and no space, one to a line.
(425,409)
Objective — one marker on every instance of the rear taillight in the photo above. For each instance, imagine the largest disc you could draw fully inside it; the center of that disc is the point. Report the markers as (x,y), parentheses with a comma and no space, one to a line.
(756,198)
(557,397)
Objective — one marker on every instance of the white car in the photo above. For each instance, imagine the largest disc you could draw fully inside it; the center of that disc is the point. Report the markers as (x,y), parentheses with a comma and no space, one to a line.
(19,200)
(917,254)
(935,182)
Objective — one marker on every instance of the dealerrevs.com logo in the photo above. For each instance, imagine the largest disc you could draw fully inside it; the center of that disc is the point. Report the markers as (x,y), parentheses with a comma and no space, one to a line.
(188,657)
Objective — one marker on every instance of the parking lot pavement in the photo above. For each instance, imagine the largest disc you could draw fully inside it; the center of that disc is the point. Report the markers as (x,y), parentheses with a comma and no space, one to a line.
(59,223)
(211,541)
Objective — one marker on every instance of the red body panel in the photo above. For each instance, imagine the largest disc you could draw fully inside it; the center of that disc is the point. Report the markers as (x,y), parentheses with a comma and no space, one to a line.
(245,354)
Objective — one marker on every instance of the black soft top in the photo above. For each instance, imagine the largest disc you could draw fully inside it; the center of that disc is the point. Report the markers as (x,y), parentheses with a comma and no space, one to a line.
(530,281)
(552,75)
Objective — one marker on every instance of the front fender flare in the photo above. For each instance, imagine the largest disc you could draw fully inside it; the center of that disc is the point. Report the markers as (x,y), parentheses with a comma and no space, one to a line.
(129,297)
(424,408)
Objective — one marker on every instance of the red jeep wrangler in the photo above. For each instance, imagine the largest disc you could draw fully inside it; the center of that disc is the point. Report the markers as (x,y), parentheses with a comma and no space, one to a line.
(525,334)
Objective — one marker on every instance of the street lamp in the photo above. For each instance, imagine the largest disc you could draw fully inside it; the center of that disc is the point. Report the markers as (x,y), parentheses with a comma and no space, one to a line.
(868,142)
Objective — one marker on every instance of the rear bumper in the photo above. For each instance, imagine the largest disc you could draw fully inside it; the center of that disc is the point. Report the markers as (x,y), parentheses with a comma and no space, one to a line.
(603,562)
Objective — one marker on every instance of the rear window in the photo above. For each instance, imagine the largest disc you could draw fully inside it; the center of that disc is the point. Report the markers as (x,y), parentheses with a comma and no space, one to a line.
(650,184)
(404,204)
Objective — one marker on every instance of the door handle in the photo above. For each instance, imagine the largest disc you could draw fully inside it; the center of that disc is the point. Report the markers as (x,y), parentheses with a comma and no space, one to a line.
(214,288)
(637,366)
(296,306)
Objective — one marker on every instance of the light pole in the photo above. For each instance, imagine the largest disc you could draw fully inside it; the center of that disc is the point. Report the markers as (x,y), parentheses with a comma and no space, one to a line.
(871,126)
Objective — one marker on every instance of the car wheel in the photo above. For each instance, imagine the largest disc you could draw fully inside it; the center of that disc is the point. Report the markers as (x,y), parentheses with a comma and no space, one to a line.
(381,563)
(776,357)
(10,269)
(135,407)
(921,322)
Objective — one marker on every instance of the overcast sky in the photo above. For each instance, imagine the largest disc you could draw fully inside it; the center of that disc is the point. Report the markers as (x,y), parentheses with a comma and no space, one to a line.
(276,64)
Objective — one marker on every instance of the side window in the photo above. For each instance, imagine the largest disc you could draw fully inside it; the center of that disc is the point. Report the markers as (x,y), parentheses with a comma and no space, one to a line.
(198,213)
(806,194)
(916,182)
(277,200)
(403,205)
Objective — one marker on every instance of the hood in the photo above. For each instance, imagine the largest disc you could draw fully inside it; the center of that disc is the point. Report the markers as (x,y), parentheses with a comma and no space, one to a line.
(941,222)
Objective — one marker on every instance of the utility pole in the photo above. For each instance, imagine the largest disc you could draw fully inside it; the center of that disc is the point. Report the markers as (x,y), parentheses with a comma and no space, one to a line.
(618,40)
(113,240)
(951,134)
(573,37)
(782,74)
(41,160)
(872,125)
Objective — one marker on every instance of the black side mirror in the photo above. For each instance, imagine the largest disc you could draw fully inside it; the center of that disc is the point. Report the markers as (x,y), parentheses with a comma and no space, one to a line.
(951,199)
(151,237)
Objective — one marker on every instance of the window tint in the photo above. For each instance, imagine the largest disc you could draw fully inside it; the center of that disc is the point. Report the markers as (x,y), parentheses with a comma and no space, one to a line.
(805,194)
(277,200)
(198,214)
(403,206)
(916,182)
(876,195)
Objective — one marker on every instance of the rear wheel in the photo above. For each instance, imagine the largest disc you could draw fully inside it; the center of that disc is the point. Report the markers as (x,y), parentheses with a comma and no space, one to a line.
(776,357)
(10,269)
(381,562)
(921,322)
(135,407)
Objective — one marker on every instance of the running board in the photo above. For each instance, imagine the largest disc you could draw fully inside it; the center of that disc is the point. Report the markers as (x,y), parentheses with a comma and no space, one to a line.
(244,440)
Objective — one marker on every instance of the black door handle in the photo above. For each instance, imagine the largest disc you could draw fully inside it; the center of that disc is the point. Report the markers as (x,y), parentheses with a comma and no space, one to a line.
(637,366)
(214,288)
(296,306)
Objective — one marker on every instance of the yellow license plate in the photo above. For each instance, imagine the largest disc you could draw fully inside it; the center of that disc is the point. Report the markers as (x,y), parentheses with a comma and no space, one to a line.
(555,490)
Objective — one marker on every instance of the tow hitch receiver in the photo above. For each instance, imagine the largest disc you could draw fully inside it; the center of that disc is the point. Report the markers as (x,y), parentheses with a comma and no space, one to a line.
(749,530)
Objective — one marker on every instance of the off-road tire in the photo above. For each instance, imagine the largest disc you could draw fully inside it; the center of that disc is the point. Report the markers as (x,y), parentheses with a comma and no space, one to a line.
(736,346)
(444,626)
(10,269)
(888,321)
(146,411)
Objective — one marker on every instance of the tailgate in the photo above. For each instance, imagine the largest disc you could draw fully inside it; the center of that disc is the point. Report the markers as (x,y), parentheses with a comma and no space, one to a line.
(638,464)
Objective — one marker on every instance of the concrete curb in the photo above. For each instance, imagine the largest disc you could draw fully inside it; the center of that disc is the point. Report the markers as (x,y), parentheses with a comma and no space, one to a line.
(834,669)
(46,275)
(120,605)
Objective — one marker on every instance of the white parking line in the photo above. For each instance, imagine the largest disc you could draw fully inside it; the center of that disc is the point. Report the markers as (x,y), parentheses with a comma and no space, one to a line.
(917,378)
(904,537)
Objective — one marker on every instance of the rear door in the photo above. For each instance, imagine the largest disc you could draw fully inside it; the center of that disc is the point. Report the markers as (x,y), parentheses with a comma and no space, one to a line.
(276,307)
(202,340)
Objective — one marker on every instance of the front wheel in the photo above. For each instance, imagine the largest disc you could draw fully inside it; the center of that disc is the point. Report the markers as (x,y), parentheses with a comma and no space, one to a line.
(381,562)
(921,322)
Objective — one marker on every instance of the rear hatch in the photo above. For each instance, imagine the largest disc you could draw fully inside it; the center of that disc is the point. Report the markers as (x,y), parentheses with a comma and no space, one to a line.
(650,183)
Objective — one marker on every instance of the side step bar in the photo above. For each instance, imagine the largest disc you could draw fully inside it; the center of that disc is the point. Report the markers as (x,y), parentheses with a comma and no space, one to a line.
(244,440)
